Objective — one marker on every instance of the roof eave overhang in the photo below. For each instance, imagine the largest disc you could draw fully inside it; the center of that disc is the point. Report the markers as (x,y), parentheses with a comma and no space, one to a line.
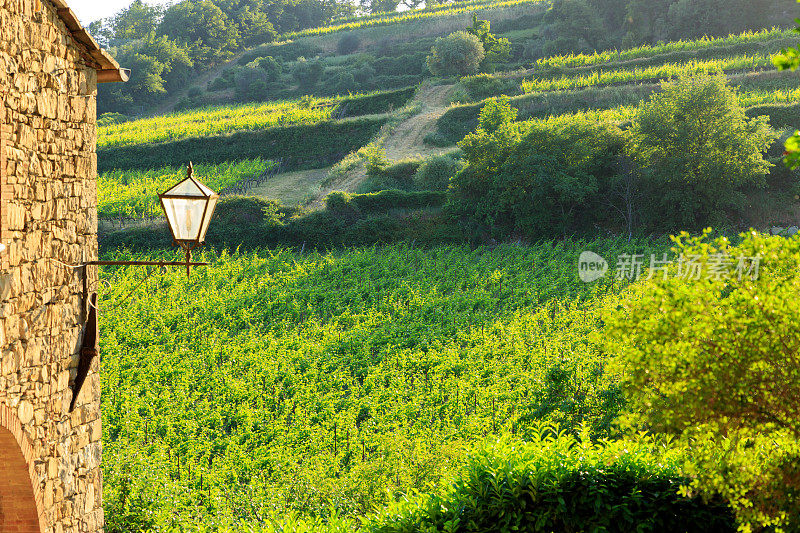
(108,70)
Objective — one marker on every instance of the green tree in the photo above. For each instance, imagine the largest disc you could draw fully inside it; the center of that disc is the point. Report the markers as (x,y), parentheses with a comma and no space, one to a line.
(202,27)
(157,66)
(789,58)
(458,54)
(495,50)
(714,360)
(576,27)
(536,179)
(696,151)
(308,73)
(134,22)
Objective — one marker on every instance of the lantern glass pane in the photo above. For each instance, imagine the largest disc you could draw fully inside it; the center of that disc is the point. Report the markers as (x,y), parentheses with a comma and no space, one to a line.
(184,217)
(212,203)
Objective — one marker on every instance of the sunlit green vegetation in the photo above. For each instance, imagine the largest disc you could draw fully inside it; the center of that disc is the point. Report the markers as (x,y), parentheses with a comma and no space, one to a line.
(665,71)
(212,121)
(133,193)
(609,56)
(412,16)
(274,382)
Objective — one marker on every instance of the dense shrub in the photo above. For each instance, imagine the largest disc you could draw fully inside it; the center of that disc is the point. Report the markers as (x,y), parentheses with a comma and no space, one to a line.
(253,84)
(303,146)
(696,150)
(271,66)
(458,54)
(397,175)
(339,81)
(556,482)
(435,172)
(348,43)
(107,119)
(734,320)
(538,179)
(308,73)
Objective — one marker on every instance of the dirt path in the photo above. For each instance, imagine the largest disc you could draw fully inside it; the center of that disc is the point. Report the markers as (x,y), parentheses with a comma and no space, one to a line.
(403,141)
(407,138)
(292,188)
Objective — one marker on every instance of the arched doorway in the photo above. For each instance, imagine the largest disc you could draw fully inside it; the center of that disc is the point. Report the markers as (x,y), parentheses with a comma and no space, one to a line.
(20,508)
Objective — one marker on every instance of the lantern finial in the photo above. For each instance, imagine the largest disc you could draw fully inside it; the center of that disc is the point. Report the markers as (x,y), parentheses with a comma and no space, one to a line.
(190,170)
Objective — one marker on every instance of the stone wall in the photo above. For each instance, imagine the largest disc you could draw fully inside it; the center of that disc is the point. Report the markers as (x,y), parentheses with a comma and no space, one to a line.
(48,217)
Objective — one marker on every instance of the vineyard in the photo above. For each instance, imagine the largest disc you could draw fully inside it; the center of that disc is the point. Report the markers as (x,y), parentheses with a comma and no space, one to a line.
(134,193)
(213,121)
(446,10)
(377,354)
(648,74)
(769,40)
(275,382)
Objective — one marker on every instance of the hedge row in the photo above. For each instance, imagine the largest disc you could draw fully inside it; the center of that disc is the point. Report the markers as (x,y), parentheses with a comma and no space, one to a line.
(256,222)
(381,102)
(299,147)
(780,115)
(344,203)
(561,483)
(458,121)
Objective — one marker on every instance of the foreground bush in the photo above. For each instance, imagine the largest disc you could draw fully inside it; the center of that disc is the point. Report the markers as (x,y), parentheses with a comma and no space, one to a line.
(561,483)
(713,357)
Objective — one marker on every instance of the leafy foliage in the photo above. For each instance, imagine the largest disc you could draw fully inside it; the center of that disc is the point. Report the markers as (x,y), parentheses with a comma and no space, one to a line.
(275,382)
(533,179)
(696,150)
(558,482)
(496,50)
(348,43)
(713,357)
(435,172)
(458,54)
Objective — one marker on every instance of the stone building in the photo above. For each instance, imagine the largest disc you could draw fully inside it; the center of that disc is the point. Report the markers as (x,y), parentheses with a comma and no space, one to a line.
(50,477)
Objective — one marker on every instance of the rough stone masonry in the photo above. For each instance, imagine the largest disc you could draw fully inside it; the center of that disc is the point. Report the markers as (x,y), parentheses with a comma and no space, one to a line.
(50,477)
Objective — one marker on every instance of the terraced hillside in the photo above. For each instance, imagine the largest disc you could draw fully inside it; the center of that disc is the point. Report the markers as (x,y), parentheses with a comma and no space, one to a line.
(309,135)
(363,334)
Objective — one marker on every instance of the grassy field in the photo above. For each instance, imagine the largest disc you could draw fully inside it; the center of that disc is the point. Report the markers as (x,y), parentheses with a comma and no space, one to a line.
(273,382)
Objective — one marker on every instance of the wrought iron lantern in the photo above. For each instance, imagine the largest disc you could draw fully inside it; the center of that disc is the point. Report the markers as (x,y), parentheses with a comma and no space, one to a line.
(188,206)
